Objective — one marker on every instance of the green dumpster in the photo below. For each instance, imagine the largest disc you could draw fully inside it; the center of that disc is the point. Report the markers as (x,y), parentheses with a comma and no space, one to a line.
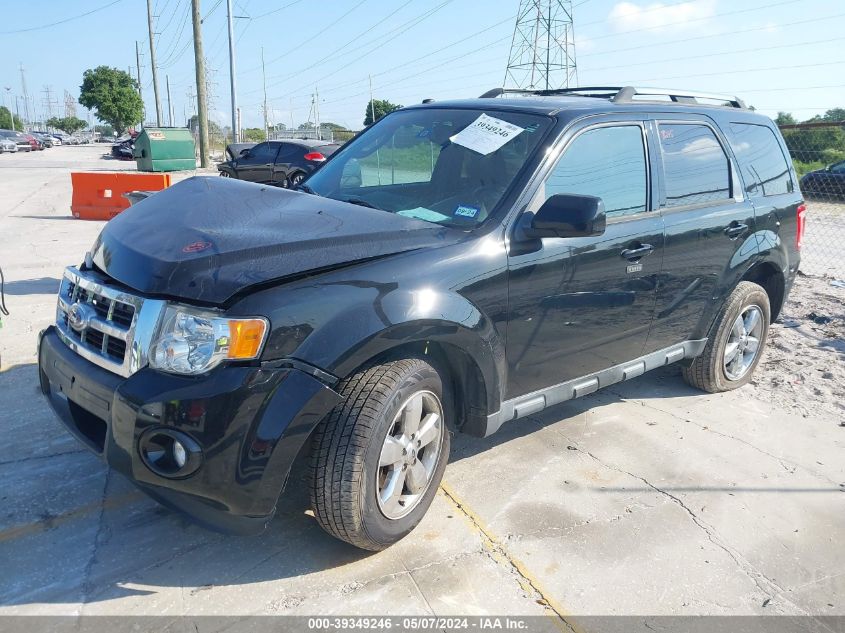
(165,149)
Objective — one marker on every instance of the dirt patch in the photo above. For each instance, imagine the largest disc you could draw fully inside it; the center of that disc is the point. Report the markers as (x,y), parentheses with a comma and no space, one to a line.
(804,365)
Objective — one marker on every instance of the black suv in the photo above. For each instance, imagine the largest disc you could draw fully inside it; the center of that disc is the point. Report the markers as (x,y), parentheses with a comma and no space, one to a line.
(456,266)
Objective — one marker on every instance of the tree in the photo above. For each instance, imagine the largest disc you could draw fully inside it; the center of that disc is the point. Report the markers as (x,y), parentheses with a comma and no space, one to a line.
(70,124)
(834,115)
(381,107)
(104,130)
(785,118)
(337,127)
(6,120)
(113,95)
(254,134)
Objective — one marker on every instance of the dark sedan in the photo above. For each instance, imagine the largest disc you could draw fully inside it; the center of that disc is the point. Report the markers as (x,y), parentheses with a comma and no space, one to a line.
(828,183)
(282,163)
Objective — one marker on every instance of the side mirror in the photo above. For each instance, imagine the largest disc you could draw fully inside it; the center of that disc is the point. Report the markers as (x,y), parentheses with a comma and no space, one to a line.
(566,215)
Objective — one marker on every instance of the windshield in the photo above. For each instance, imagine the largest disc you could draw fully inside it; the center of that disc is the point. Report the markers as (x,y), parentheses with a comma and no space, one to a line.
(451,167)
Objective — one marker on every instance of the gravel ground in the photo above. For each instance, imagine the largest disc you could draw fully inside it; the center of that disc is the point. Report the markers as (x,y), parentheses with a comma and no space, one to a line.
(804,366)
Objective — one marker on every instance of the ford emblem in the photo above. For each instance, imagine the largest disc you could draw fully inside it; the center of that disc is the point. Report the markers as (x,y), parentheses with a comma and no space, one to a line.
(78,316)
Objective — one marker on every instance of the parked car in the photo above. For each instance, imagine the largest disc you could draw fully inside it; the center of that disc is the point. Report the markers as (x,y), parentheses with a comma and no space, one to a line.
(123,149)
(34,142)
(283,163)
(46,140)
(7,145)
(19,139)
(496,256)
(57,139)
(827,183)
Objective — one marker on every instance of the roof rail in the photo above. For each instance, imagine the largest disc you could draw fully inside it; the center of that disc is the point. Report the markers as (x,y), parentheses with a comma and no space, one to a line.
(625,94)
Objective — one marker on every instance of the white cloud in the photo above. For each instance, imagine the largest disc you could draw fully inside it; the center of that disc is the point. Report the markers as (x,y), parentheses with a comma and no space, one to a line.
(628,16)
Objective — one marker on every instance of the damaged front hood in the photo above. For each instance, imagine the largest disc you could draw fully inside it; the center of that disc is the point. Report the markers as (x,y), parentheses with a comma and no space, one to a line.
(207,239)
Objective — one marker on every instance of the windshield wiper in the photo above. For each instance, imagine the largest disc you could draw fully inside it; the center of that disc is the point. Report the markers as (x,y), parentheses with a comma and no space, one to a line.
(362,203)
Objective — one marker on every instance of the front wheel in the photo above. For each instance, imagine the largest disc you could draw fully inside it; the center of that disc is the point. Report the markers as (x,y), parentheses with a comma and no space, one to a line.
(378,457)
(733,353)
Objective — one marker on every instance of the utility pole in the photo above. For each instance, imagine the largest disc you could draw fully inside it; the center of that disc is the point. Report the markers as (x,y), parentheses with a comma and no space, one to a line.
(199,63)
(235,130)
(153,62)
(11,113)
(169,103)
(317,113)
(372,102)
(264,80)
(140,92)
(25,96)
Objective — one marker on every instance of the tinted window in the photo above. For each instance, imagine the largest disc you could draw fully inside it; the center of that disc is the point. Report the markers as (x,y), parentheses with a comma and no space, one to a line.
(289,153)
(761,159)
(608,163)
(695,165)
(263,153)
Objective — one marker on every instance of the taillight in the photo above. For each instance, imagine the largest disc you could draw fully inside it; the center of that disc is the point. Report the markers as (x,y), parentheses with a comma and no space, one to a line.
(316,157)
(801,223)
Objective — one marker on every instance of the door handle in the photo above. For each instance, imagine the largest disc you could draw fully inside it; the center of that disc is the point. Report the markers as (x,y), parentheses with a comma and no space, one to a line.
(633,254)
(735,229)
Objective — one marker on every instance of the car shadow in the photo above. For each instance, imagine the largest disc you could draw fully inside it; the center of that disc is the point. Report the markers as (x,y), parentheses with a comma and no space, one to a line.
(63,504)
(39,286)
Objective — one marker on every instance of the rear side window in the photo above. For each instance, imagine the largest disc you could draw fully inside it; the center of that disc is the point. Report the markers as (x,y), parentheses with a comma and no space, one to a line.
(761,159)
(288,153)
(606,162)
(694,164)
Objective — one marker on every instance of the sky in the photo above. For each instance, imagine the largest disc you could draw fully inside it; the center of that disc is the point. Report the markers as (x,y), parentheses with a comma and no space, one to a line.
(778,55)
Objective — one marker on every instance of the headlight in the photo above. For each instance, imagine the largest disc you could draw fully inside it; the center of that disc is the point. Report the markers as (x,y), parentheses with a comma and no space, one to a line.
(193,342)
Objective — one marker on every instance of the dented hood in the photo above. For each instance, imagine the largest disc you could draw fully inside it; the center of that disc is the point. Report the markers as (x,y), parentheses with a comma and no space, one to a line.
(207,239)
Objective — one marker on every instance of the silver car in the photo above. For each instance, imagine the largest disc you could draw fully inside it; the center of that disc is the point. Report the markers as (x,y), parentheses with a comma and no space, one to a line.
(8,145)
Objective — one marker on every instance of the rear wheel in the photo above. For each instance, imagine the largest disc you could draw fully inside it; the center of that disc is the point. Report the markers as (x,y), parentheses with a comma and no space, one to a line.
(733,353)
(378,457)
(295,179)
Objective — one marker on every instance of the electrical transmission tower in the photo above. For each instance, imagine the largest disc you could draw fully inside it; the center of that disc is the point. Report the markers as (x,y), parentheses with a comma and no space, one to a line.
(542,53)
(70,105)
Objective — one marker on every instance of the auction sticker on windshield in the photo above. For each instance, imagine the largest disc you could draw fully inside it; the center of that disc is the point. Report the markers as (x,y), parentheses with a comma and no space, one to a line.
(486,134)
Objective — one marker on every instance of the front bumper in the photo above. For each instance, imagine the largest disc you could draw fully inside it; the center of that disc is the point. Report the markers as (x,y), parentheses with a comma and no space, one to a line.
(250,423)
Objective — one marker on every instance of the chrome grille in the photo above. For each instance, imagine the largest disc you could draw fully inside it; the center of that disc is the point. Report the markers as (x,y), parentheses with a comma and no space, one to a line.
(105,324)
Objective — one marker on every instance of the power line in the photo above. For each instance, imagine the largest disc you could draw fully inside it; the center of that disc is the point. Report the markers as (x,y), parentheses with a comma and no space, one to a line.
(65,21)
(711,35)
(340,48)
(317,34)
(282,8)
(705,18)
(731,52)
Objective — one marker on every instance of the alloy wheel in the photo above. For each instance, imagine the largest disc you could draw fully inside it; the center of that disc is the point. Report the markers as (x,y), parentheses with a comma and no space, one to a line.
(744,342)
(409,455)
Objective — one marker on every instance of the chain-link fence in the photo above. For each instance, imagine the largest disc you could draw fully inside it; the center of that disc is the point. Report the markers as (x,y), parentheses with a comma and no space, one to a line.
(818,153)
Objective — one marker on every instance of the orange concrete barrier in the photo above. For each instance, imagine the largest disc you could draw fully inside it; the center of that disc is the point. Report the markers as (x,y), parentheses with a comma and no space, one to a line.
(99,195)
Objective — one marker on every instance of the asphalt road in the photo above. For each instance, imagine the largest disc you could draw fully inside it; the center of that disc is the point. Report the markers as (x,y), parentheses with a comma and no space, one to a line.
(647,498)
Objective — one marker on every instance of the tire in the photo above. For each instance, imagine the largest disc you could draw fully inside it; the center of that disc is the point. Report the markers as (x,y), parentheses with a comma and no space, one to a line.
(709,371)
(295,179)
(224,174)
(350,489)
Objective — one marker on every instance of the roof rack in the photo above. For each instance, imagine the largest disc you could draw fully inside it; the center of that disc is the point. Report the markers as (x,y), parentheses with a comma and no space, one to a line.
(624,94)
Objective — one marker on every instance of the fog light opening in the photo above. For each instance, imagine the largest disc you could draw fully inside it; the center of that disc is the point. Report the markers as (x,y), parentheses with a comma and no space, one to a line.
(170,453)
